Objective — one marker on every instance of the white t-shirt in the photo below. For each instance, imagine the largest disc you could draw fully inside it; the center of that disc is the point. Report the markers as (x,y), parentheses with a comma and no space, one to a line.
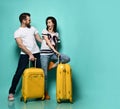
(54,39)
(28,37)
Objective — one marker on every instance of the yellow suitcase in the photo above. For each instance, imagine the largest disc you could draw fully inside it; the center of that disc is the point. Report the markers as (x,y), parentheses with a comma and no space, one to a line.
(64,83)
(32,84)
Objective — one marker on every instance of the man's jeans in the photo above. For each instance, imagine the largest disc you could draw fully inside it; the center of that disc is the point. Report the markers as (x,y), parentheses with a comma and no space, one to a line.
(22,64)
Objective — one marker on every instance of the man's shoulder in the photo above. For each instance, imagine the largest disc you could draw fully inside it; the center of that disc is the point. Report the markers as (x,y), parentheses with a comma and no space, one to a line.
(16,31)
(32,27)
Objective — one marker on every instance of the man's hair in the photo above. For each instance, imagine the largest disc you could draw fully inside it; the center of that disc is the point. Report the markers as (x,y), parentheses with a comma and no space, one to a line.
(23,16)
(54,21)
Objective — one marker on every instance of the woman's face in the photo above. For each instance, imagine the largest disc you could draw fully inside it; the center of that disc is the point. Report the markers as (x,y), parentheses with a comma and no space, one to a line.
(50,24)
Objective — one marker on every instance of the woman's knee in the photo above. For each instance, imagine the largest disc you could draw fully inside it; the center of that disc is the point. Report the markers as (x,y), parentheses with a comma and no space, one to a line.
(65,59)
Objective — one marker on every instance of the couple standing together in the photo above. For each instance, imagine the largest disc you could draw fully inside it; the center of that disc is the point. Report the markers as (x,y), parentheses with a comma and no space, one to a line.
(26,37)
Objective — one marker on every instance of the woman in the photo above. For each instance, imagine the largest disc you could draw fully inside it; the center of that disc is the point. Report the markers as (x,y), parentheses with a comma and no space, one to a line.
(48,49)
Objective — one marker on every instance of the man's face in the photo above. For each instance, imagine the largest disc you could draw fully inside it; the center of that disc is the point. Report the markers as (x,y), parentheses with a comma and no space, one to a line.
(27,21)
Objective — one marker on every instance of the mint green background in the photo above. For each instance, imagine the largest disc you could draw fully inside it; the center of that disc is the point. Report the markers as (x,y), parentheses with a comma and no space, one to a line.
(90,35)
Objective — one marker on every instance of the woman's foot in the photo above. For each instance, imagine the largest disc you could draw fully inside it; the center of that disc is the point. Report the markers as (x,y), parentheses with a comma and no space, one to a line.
(52,65)
(47,97)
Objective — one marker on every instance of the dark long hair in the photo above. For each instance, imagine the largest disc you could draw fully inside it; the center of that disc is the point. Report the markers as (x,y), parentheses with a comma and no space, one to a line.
(54,21)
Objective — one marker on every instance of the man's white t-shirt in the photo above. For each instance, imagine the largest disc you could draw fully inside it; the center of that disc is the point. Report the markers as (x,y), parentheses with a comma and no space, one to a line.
(28,37)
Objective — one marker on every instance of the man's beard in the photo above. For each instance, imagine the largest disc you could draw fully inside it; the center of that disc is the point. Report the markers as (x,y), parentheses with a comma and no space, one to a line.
(28,25)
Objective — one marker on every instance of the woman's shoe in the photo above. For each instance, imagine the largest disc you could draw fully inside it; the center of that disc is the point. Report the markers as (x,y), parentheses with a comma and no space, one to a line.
(47,97)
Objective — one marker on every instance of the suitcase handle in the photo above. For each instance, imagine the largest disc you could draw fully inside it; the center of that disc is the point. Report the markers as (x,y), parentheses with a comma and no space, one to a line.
(58,59)
(34,64)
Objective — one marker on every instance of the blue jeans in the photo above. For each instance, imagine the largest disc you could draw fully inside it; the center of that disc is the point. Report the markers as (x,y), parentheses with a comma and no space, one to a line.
(45,59)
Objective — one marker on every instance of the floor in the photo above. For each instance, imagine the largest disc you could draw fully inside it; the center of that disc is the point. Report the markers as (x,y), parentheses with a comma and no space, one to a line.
(34,104)
(88,101)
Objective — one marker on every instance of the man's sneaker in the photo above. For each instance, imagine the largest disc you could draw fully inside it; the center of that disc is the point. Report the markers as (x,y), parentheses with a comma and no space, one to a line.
(11,97)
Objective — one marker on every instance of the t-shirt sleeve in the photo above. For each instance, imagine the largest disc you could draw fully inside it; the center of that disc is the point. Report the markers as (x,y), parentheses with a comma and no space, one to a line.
(35,31)
(44,33)
(17,34)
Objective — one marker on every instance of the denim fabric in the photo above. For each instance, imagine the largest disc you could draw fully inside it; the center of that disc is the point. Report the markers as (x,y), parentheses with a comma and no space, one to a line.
(63,58)
(22,64)
(45,59)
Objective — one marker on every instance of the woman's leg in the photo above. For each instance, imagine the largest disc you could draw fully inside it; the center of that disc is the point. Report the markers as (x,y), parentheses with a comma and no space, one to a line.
(63,59)
(44,59)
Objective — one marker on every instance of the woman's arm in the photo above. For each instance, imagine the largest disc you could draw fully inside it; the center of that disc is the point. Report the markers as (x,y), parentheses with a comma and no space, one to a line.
(50,45)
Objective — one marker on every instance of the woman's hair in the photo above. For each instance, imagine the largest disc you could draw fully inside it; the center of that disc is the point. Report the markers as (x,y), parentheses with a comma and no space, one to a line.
(54,21)
(23,16)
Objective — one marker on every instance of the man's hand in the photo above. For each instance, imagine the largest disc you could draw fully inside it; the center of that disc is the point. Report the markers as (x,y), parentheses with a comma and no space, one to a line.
(31,57)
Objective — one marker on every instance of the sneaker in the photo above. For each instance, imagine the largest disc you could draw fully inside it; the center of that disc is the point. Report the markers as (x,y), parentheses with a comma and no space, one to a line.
(47,97)
(55,65)
(52,65)
(10,97)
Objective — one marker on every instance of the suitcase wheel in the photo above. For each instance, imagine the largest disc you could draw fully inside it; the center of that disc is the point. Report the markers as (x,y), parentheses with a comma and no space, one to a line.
(58,101)
(25,101)
(21,98)
(71,101)
(43,98)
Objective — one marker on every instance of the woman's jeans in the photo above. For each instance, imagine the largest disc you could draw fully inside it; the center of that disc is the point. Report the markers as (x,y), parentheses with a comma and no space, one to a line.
(45,59)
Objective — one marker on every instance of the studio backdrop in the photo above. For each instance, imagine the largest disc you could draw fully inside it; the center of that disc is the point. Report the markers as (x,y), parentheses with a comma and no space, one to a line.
(90,35)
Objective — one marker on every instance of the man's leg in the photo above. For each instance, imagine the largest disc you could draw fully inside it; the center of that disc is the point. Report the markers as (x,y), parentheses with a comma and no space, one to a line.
(23,62)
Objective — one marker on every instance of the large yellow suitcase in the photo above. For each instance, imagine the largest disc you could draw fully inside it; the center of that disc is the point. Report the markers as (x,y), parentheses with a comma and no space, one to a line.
(32,84)
(64,83)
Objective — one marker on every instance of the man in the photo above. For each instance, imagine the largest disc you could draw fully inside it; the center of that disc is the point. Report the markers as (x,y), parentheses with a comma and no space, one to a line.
(25,37)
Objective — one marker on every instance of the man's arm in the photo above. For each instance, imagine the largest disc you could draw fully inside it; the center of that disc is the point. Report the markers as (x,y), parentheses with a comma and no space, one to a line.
(38,38)
(24,49)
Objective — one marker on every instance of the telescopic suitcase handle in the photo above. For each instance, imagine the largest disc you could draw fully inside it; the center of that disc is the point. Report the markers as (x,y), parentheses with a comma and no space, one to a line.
(59,59)
(34,64)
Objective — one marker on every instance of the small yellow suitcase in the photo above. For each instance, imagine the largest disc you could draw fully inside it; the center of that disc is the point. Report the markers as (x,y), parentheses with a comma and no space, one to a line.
(32,84)
(64,83)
